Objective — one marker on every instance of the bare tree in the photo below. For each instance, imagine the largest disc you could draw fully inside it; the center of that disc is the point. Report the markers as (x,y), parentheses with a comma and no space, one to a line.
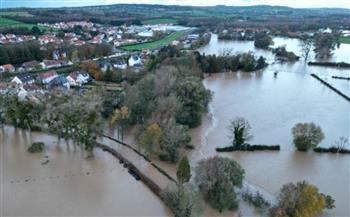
(306,46)
(239,131)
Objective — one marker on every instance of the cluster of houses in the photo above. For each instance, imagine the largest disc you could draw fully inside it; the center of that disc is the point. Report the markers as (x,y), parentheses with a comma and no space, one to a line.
(33,65)
(67,25)
(25,84)
(12,38)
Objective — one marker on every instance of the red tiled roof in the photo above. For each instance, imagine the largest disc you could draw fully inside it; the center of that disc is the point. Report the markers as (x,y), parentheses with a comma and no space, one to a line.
(48,74)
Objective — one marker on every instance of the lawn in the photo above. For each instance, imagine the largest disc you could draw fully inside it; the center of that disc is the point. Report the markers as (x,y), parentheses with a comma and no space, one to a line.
(5,22)
(344,40)
(159,21)
(154,44)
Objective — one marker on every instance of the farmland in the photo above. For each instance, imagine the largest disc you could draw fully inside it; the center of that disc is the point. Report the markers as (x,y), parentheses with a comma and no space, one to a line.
(9,23)
(154,44)
(344,40)
(159,21)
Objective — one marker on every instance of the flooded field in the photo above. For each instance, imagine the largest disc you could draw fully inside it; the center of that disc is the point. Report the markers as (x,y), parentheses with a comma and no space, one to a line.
(62,182)
(273,105)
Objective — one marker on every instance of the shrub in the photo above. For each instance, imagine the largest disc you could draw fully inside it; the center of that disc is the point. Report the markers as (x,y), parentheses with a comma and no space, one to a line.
(36,147)
(183,200)
(256,200)
(301,199)
(249,148)
(216,178)
(307,135)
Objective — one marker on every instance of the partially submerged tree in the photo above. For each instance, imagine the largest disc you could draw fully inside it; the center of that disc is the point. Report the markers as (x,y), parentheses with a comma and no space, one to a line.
(216,178)
(307,135)
(324,44)
(120,118)
(306,45)
(183,172)
(263,41)
(301,200)
(183,200)
(150,138)
(239,131)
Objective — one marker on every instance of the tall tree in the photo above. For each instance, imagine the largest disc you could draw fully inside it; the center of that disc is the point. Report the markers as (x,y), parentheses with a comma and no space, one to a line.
(183,171)
(306,45)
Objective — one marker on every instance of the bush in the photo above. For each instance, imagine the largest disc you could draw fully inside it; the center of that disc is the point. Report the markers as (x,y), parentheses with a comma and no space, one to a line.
(256,200)
(301,199)
(36,147)
(332,149)
(183,200)
(307,135)
(217,177)
(249,148)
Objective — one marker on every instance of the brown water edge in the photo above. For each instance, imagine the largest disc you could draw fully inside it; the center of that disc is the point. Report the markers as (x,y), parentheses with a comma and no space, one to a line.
(69,184)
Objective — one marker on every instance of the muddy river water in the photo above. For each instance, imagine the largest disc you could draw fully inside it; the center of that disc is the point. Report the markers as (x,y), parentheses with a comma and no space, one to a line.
(62,182)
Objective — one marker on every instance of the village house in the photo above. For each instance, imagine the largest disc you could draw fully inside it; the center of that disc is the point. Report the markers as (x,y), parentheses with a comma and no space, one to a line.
(78,78)
(48,64)
(59,82)
(22,79)
(30,65)
(7,68)
(104,65)
(134,60)
(46,77)
(120,64)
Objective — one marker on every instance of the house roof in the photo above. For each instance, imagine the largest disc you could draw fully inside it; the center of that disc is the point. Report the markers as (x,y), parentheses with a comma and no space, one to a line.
(75,74)
(31,87)
(30,64)
(7,66)
(24,78)
(135,57)
(47,74)
(58,81)
(51,62)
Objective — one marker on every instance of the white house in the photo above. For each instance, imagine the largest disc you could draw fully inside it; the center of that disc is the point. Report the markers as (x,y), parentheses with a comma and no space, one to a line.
(78,78)
(23,79)
(135,60)
(46,77)
(48,64)
(147,33)
(120,64)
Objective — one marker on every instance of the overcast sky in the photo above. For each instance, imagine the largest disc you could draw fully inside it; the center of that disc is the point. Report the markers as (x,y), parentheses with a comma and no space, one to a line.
(291,3)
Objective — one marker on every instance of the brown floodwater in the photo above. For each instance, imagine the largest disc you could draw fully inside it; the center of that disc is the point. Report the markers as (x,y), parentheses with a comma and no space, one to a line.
(273,105)
(69,184)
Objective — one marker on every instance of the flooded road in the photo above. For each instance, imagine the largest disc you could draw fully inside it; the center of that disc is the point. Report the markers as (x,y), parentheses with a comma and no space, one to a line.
(62,182)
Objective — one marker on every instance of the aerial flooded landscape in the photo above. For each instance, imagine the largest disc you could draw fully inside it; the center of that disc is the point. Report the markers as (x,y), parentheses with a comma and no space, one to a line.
(175,108)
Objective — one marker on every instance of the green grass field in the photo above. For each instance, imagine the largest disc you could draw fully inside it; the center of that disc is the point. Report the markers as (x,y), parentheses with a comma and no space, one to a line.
(5,22)
(16,13)
(159,21)
(344,40)
(154,44)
